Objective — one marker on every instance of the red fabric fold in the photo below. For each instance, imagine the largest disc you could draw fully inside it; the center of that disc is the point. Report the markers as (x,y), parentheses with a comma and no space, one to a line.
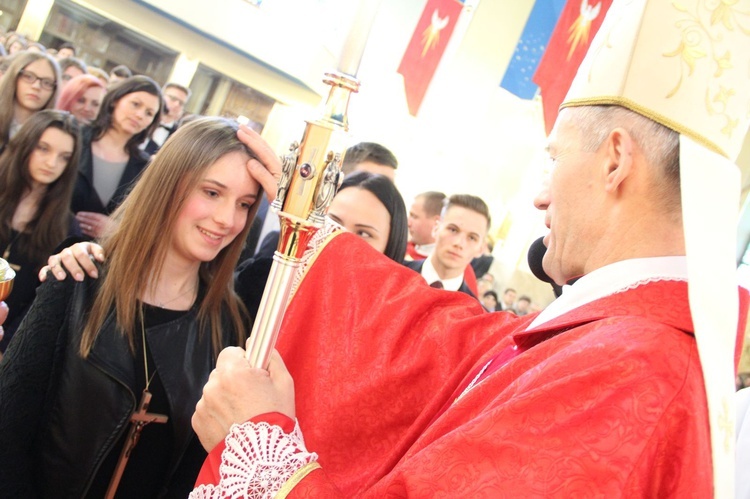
(606,400)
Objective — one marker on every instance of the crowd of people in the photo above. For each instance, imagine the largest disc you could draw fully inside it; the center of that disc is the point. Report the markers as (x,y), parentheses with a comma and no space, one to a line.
(142,242)
(79,165)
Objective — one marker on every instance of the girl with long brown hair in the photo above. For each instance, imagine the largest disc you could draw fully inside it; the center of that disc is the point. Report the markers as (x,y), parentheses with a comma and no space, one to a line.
(151,326)
(37,172)
(29,85)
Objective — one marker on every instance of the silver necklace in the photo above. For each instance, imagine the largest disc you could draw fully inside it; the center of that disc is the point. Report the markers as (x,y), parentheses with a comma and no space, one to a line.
(162,304)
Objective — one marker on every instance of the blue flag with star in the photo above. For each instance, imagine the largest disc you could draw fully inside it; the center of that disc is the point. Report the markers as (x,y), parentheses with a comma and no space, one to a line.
(530,47)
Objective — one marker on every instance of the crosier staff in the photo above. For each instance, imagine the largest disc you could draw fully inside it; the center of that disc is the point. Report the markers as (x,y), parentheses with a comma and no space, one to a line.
(311,174)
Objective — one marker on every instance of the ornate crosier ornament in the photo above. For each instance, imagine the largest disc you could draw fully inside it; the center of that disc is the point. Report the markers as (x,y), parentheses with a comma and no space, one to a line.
(311,174)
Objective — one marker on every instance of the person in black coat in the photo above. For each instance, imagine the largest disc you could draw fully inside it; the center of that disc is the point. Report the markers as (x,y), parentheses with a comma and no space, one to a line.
(154,322)
(110,158)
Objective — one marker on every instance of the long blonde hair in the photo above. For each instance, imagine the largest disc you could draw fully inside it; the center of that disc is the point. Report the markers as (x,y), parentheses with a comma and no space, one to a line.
(145,224)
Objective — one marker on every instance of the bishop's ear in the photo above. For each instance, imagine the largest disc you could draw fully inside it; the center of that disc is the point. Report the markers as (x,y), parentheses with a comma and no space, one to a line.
(618,160)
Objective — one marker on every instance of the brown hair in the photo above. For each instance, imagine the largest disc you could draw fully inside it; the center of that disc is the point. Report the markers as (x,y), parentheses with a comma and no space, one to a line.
(50,225)
(72,62)
(122,71)
(183,88)
(119,90)
(368,151)
(469,202)
(432,202)
(8,89)
(144,226)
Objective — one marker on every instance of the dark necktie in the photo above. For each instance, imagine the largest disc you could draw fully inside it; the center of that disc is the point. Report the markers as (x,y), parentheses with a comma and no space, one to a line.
(437,284)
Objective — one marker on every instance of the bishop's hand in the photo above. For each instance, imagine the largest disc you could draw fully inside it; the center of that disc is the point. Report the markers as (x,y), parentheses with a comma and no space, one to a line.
(266,169)
(237,392)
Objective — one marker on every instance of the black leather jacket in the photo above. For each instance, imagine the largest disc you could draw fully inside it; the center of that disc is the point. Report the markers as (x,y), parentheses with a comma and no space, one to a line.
(60,415)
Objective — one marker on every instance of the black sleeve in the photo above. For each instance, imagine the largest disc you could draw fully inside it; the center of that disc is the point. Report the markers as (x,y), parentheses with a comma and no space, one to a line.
(74,229)
(27,376)
(250,281)
(268,245)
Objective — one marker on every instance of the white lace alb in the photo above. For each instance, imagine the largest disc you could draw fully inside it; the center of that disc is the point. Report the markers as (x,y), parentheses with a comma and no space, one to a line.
(258,459)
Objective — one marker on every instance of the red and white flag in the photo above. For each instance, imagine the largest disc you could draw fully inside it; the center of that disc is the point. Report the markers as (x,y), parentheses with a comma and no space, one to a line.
(578,23)
(426,48)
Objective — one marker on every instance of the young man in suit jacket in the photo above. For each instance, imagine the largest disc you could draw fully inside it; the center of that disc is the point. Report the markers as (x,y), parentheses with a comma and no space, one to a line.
(459,237)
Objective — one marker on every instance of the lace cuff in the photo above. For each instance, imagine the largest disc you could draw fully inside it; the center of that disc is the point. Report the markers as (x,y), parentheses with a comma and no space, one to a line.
(258,460)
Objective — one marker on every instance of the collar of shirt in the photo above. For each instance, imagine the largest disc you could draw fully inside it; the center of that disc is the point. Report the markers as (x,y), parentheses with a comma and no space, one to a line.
(430,275)
(611,279)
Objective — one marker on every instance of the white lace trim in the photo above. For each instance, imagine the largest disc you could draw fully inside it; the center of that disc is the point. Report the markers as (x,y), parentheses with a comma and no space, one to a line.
(258,459)
(648,281)
(612,279)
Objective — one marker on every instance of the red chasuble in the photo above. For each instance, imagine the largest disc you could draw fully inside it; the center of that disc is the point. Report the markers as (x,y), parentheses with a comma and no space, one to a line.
(604,401)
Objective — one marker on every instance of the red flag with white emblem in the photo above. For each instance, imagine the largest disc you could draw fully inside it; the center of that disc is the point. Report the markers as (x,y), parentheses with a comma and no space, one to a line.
(426,48)
(578,23)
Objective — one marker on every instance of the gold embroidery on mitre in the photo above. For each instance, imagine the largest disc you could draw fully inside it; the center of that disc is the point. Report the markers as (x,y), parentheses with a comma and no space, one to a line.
(723,63)
(702,31)
(704,63)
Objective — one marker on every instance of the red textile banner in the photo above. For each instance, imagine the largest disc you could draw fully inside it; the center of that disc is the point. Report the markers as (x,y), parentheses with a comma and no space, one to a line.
(578,23)
(426,48)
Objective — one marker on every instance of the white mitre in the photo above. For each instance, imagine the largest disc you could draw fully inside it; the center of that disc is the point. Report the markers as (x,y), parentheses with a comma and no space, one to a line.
(686,64)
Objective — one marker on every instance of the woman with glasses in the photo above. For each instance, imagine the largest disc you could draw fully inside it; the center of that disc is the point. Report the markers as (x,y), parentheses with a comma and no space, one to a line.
(29,85)
(111,160)
(37,173)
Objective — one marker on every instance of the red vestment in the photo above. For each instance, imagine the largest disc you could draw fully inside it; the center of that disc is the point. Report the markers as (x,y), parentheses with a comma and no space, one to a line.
(412,253)
(606,400)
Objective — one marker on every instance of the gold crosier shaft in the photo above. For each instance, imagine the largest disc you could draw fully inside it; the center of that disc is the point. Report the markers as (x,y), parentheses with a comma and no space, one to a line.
(311,175)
